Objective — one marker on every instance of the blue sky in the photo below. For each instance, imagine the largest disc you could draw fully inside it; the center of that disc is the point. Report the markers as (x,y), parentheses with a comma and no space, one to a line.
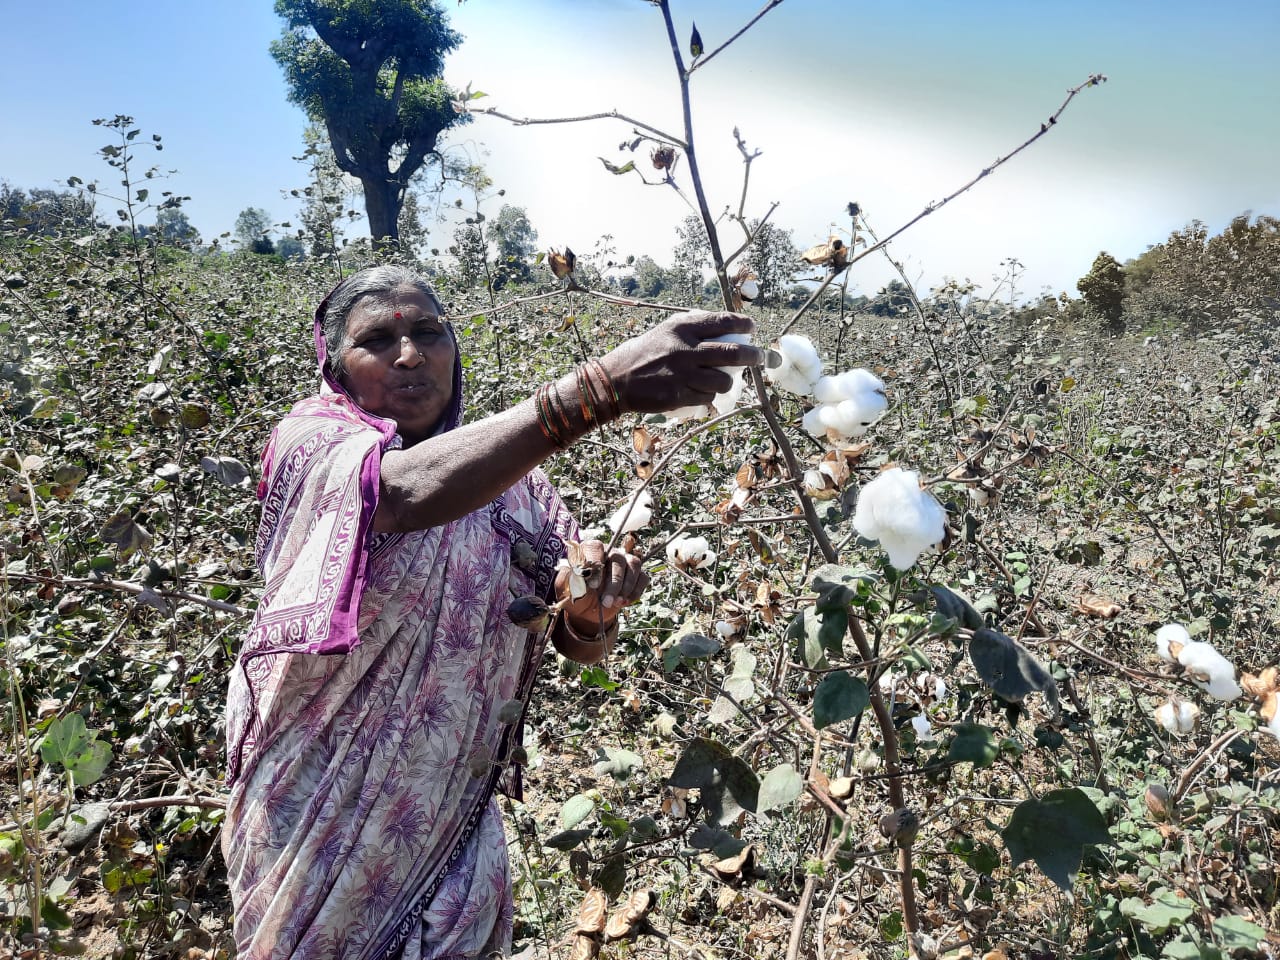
(889,104)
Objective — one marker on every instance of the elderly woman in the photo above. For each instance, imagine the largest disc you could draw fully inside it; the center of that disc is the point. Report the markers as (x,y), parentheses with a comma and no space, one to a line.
(376,698)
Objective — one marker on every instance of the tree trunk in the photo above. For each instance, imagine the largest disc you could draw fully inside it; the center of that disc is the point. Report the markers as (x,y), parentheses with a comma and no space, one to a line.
(382,202)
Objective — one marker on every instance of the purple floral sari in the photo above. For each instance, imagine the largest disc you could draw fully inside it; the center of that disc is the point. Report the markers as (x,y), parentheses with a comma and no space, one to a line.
(363,738)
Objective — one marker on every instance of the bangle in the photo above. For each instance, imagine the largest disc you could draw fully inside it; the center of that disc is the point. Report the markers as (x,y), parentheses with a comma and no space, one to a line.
(546,420)
(610,390)
(608,633)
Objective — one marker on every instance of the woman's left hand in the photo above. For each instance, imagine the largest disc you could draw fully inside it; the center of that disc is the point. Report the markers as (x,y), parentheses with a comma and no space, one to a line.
(622,581)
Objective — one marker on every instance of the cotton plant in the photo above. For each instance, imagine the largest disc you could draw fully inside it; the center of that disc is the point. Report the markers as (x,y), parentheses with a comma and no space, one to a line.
(905,519)
(723,402)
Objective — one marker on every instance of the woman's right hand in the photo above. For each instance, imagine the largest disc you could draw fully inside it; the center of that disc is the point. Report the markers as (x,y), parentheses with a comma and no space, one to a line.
(675,364)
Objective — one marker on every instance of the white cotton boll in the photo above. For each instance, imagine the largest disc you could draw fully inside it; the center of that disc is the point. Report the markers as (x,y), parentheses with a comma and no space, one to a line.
(1274,725)
(844,386)
(813,424)
(639,516)
(903,518)
(1209,670)
(939,688)
(691,552)
(852,417)
(801,366)
(924,729)
(888,680)
(749,290)
(725,629)
(1178,717)
(1170,633)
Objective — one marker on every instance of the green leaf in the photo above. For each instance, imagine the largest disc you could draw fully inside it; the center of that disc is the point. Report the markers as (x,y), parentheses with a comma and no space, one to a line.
(566,840)
(619,764)
(954,605)
(597,677)
(1165,911)
(974,744)
(726,784)
(618,170)
(1053,831)
(695,646)
(70,745)
(612,877)
(1236,933)
(575,810)
(837,586)
(833,624)
(228,470)
(720,842)
(1009,669)
(780,787)
(839,696)
(804,629)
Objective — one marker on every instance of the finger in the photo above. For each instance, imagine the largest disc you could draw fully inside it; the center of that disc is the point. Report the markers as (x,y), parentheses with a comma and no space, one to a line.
(706,325)
(611,596)
(634,582)
(717,354)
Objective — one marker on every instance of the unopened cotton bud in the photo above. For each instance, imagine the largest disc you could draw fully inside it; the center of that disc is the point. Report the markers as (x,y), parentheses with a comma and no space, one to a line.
(1159,802)
(530,612)
(900,826)
(1171,633)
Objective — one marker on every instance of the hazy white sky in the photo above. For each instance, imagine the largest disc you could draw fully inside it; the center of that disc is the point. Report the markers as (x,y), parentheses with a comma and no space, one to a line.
(890,104)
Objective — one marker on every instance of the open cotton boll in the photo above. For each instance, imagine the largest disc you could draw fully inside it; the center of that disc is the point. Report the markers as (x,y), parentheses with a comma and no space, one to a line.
(924,729)
(722,403)
(691,552)
(1179,717)
(812,423)
(853,416)
(1209,670)
(843,386)
(1171,633)
(639,516)
(801,366)
(905,519)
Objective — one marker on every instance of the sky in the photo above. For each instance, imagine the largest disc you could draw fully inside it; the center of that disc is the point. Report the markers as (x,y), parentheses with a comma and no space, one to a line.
(890,104)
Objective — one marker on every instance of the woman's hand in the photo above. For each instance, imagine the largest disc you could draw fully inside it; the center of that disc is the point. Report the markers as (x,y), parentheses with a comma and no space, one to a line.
(619,582)
(675,364)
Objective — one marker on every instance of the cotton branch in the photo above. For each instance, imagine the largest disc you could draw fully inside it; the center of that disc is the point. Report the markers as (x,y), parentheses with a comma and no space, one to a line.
(703,61)
(609,115)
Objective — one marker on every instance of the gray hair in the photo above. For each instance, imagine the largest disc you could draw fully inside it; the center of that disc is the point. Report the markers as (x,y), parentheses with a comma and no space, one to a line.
(372,282)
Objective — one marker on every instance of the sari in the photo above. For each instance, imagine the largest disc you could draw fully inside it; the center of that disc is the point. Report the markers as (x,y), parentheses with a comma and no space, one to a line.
(364,742)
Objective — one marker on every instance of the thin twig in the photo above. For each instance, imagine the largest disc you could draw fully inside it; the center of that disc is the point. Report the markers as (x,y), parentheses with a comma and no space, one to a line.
(609,115)
(703,61)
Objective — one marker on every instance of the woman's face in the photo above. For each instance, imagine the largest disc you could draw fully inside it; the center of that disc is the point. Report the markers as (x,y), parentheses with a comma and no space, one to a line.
(398,362)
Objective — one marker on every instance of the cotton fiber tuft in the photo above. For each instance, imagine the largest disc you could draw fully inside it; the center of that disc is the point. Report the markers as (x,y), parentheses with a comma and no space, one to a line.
(905,519)
(801,366)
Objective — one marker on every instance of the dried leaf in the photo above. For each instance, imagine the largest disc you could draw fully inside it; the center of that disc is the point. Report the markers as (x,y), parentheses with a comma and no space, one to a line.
(1095,605)
(746,476)
(584,948)
(1259,685)
(832,254)
(592,911)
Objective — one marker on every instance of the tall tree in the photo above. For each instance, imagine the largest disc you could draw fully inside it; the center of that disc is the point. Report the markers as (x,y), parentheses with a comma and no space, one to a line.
(1102,289)
(371,73)
(515,241)
(253,230)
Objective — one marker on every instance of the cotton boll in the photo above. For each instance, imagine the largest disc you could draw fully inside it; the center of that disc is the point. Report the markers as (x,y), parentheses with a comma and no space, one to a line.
(903,518)
(749,290)
(924,729)
(1179,717)
(692,552)
(1209,670)
(888,680)
(813,424)
(844,386)
(639,516)
(851,417)
(1171,633)
(801,366)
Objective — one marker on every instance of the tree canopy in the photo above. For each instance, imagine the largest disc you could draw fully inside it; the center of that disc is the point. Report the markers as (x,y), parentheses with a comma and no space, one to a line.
(371,73)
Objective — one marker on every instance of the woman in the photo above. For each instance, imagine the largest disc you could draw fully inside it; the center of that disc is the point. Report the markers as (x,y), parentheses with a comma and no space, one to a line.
(377,695)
